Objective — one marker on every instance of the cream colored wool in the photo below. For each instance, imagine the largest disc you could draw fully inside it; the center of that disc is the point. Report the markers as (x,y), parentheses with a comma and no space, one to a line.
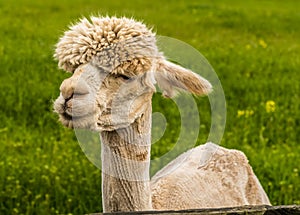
(115,64)
(207,176)
(110,41)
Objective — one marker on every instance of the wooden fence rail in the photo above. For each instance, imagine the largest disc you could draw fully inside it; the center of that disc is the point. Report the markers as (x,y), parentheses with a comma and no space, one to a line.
(252,210)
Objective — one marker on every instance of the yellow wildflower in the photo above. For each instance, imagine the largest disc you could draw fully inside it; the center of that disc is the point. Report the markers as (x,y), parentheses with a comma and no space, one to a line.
(248,46)
(240,113)
(262,43)
(245,113)
(270,106)
(249,113)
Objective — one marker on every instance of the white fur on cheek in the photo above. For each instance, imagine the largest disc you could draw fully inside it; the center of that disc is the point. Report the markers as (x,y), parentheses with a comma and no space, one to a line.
(121,103)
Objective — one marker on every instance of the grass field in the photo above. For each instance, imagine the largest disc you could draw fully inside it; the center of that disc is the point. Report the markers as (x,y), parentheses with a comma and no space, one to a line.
(254,47)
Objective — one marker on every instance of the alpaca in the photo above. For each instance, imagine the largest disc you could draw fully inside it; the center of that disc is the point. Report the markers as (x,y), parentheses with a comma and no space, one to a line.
(115,64)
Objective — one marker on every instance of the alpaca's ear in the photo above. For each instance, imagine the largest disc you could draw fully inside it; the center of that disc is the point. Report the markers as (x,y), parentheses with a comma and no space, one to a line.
(171,78)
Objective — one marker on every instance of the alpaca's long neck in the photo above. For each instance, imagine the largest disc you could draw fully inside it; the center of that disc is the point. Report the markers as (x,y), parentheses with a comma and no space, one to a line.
(125,166)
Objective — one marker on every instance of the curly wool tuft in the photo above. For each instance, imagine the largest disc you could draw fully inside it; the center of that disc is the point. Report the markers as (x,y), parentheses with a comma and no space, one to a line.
(106,41)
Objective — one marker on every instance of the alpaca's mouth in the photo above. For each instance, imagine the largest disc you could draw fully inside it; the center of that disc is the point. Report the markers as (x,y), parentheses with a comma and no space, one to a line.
(67,116)
(70,117)
(79,115)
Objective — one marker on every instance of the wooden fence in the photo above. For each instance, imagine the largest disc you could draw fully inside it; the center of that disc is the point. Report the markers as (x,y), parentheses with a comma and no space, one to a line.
(252,210)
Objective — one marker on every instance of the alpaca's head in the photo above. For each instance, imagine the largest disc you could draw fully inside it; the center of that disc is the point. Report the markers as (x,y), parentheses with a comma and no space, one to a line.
(115,64)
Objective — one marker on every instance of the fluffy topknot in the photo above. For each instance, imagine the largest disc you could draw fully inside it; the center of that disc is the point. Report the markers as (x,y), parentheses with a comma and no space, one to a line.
(106,41)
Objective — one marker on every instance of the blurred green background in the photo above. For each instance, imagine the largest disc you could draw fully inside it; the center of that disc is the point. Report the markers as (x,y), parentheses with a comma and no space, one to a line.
(254,47)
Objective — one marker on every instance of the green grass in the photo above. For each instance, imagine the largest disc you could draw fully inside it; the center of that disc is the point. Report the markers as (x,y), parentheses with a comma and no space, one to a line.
(254,47)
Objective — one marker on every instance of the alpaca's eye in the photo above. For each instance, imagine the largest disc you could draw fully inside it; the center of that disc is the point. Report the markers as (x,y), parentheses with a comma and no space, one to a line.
(124,77)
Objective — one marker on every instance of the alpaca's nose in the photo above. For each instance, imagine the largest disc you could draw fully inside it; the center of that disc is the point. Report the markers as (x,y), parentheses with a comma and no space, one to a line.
(67,88)
(72,86)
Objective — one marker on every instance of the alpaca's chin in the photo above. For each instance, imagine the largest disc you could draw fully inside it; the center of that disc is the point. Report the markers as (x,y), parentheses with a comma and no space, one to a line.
(78,122)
